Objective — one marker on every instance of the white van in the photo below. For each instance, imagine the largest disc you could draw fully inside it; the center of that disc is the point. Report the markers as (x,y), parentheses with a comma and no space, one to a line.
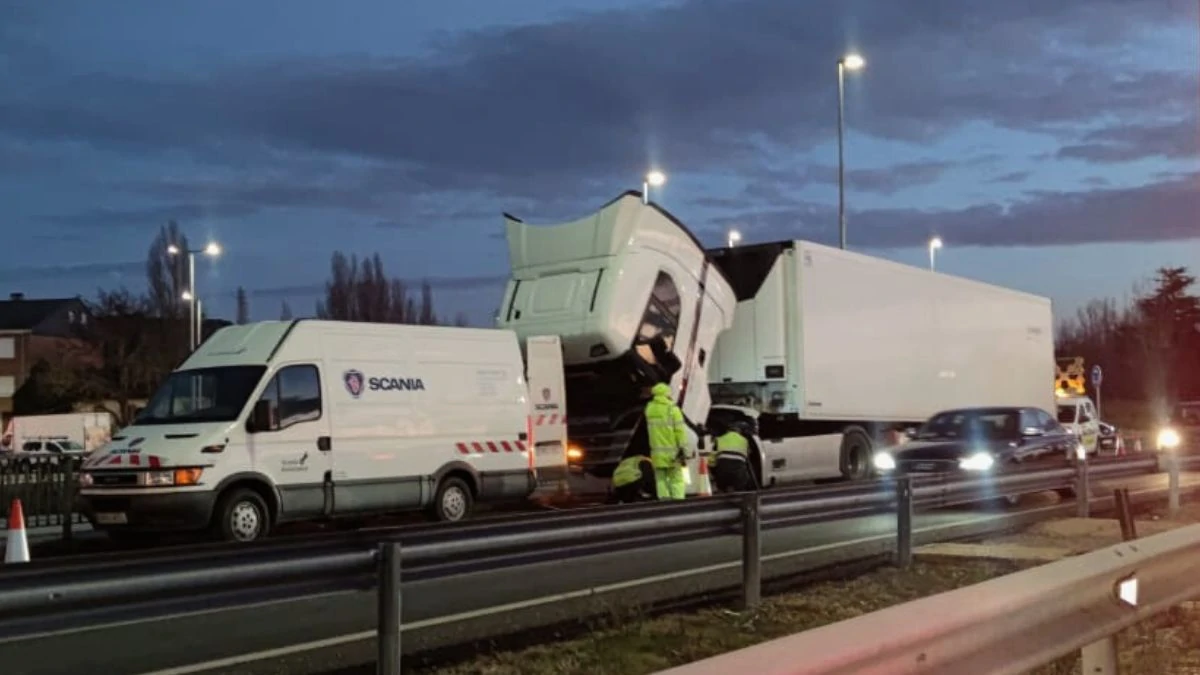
(285,421)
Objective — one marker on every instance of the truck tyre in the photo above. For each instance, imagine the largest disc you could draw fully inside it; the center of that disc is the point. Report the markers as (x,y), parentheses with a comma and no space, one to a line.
(452,502)
(241,516)
(856,455)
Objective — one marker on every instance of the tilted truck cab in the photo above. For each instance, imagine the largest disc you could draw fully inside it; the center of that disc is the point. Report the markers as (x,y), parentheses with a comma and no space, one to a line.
(273,422)
(632,295)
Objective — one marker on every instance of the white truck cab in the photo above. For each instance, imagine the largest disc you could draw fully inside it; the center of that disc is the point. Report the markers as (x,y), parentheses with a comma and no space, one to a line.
(1078,415)
(274,422)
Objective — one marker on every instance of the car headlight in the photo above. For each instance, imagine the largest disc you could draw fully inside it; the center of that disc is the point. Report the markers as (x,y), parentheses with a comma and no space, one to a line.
(1168,439)
(980,461)
(1080,451)
(884,461)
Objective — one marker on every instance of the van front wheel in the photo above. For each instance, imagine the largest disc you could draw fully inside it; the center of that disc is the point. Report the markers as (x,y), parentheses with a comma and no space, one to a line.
(453,500)
(241,516)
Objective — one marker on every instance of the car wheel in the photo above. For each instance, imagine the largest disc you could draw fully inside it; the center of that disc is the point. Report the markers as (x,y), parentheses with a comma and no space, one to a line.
(453,500)
(241,516)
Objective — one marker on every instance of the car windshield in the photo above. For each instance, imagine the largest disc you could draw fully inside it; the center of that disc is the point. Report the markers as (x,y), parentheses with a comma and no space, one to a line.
(202,395)
(991,424)
(1066,414)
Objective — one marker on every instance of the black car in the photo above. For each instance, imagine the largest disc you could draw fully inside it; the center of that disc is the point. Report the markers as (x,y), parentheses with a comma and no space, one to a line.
(980,440)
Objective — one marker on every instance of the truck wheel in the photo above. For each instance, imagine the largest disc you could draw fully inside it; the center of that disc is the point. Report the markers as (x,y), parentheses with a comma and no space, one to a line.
(452,502)
(241,516)
(856,455)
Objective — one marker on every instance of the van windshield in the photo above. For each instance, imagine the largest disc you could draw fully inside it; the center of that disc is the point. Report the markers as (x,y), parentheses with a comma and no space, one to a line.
(202,395)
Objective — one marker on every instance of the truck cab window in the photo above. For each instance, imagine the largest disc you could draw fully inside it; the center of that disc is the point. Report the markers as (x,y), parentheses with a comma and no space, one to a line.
(661,318)
(294,395)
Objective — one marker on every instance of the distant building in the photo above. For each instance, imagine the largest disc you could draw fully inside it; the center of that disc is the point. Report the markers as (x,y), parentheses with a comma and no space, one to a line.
(31,330)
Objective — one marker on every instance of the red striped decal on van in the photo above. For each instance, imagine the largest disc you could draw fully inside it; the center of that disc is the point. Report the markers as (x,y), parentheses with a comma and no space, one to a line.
(554,418)
(489,447)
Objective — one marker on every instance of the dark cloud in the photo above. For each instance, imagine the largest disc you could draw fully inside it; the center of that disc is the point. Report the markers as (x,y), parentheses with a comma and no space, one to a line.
(437,284)
(151,215)
(79,272)
(1157,212)
(1011,177)
(544,107)
(1178,139)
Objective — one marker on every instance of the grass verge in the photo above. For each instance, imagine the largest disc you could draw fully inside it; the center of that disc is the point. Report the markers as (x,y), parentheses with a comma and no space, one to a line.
(635,646)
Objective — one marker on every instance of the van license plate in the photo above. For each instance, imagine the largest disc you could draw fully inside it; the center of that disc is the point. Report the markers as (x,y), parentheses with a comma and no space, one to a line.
(111,518)
(926,466)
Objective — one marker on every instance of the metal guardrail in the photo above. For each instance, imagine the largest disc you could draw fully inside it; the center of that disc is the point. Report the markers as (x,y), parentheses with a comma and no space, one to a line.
(45,483)
(66,595)
(1011,624)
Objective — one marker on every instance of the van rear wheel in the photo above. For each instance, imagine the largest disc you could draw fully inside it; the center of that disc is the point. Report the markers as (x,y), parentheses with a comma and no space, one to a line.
(453,500)
(241,516)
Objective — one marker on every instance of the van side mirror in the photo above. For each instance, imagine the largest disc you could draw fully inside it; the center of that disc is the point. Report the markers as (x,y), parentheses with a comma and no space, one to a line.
(910,433)
(1030,432)
(260,417)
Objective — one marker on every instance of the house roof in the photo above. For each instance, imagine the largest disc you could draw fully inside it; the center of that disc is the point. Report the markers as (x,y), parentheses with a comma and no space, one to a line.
(28,314)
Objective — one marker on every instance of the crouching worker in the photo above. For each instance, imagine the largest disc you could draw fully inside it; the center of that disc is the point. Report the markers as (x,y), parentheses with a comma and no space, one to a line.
(633,480)
(731,461)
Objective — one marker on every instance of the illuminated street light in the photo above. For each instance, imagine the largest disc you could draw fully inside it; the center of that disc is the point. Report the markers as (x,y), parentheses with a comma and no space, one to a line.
(734,237)
(212,250)
(847,62)
(653,179)
(934,245)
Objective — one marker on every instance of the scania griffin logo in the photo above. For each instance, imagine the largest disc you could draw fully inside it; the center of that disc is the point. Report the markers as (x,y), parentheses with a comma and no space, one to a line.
(353,380)
(546,393)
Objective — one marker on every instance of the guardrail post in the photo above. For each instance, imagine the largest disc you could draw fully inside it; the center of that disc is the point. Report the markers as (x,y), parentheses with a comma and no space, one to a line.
(1172,483)
(904,517)
(388,628)
(68,496)
(1100,657)
(1083,489)
(751,552)
(1125,515)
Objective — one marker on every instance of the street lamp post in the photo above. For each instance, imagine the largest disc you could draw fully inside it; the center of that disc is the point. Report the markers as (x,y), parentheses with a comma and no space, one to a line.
(934,245)
(848,62)
(190,295)
(733,238)
(652,179)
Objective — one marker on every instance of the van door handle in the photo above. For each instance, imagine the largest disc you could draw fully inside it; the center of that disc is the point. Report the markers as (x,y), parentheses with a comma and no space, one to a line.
(324,443)
(522,436)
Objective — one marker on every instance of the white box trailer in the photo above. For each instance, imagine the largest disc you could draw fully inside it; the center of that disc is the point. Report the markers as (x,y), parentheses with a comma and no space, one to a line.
(66,432)
(835,348)
(825,351)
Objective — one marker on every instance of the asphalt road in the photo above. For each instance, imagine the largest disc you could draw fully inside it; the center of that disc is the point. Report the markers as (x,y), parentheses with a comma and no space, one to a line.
(336,631)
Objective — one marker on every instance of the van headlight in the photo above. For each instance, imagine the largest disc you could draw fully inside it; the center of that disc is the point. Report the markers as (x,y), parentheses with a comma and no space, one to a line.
(171,477)
(884,461)
(980,461)
(1168,439)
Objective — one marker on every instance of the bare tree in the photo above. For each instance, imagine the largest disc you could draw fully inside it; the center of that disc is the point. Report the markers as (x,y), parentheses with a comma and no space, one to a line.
(285,311)
(166,274)
(427,317)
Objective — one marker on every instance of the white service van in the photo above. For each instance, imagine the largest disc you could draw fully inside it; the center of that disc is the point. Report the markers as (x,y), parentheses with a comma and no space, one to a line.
(1078,414)
(275,422)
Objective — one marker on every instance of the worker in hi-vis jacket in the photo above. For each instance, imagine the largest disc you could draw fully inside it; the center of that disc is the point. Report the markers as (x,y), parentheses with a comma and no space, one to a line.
(731,461)
(633,480)
(667,434)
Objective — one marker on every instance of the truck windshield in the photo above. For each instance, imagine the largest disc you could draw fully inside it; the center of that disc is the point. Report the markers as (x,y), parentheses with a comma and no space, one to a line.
(202,395)
(1066,414)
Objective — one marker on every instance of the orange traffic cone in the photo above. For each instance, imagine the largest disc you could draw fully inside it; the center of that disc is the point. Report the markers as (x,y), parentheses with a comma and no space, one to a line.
(17,547)
(705,483)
